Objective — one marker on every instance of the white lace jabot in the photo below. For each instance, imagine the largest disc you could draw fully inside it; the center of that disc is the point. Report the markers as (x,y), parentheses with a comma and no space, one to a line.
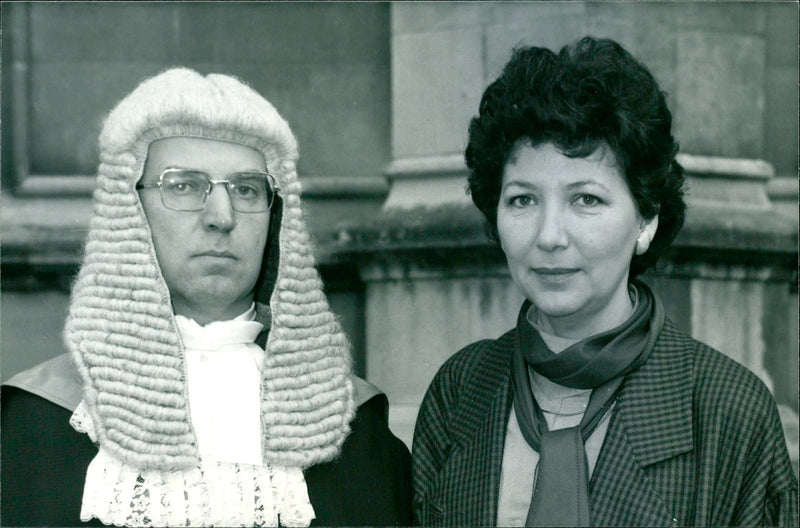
(231,486)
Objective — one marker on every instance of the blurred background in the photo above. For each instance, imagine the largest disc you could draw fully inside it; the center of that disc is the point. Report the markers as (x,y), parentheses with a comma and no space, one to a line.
(380,96)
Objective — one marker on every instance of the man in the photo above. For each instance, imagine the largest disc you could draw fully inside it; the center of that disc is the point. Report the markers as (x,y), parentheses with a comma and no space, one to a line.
(204,366)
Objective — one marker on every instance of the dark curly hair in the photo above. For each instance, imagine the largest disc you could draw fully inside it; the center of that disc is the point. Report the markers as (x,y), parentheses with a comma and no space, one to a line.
(592,93)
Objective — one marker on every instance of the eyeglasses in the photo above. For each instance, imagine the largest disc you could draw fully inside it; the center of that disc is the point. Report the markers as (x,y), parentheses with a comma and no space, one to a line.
(188,190)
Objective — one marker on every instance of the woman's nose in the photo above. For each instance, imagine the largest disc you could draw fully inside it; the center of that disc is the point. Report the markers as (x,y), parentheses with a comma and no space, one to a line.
(552,233)
(218,213)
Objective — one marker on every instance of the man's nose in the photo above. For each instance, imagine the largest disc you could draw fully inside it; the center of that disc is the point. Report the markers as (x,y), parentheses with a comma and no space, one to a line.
(218,213)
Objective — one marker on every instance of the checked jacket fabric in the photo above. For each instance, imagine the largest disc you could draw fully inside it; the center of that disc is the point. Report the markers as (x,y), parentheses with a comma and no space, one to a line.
(695,439)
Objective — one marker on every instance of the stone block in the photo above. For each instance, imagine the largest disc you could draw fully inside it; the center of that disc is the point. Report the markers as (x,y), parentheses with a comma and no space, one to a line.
(733,182)
(727,315)
(535,13)
(730,17)
(780,331)
(410,193)
(719,95)
(645,30)
(338,112)
(414,325)
(72,32)
(402,419)
(781,118)
(67,107)
(424,17)
(783,38)
(280,33)
(551,32)
(324,216)
(437,81)
(675,294)
(784,195)
(32,324)
(325,65)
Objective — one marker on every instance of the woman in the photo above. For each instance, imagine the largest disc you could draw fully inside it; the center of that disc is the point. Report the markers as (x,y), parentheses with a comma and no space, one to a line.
(207,382)
(595,409)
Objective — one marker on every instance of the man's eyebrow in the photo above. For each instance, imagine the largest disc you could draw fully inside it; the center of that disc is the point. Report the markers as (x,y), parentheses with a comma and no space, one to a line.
(253,169)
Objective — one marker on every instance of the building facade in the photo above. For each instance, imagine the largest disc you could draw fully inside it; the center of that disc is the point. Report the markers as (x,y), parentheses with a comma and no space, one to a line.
(380,96)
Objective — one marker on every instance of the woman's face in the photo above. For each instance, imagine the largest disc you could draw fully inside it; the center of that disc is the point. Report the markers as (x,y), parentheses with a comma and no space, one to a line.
(569,227)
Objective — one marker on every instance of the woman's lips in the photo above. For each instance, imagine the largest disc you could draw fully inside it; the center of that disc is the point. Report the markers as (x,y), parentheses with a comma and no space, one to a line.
(555,274)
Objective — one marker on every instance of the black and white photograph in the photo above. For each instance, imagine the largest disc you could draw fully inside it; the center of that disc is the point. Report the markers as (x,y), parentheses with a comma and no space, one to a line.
(399,263)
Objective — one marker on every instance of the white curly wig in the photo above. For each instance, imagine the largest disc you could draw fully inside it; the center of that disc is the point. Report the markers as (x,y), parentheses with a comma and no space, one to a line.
(121,330)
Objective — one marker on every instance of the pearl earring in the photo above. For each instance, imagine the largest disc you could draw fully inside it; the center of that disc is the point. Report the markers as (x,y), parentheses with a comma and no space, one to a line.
(642,243)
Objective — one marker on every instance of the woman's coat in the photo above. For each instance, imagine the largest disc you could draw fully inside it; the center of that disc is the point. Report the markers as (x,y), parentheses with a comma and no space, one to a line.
(694,439)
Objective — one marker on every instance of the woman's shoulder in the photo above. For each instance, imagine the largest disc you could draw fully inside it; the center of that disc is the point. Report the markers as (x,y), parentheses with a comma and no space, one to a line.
(477,356)
(718,380)
(480,368)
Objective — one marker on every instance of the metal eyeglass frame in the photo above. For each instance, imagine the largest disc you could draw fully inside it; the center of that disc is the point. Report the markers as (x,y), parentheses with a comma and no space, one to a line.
(211,182)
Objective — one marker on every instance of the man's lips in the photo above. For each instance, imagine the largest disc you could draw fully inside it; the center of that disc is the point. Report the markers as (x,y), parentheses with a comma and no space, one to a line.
(217,254)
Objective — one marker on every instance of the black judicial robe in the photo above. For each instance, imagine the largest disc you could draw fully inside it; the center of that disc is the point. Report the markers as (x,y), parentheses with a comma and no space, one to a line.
(44,460)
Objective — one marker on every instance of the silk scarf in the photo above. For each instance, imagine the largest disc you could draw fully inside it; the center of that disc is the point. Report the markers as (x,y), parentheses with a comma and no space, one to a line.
(599,362)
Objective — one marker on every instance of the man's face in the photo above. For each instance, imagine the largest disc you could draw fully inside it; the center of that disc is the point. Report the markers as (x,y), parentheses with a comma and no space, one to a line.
(210,259)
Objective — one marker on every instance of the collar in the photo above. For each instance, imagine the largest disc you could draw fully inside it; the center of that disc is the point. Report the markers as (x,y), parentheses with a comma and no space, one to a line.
(655,405)
(217,334)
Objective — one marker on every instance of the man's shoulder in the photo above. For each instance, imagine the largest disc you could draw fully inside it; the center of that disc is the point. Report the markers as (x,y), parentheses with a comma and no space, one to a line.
(56,380)
(363,391)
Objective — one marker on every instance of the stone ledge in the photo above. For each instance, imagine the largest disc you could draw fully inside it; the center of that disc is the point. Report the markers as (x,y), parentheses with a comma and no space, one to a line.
(55,186)
(450,164)
(786,188)
(730,168)
(784,193)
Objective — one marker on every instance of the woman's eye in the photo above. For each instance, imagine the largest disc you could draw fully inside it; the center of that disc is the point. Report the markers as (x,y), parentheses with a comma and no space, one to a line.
(587,200)
(522,200)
